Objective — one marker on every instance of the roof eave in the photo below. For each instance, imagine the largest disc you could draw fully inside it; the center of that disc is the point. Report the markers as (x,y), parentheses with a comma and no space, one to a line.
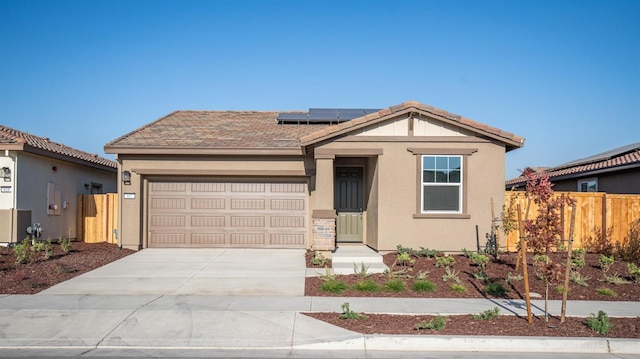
(66,158)
(368,120)
(297,151)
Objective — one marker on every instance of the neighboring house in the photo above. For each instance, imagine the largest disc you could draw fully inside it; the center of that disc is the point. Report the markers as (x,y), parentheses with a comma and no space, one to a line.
(410,174)
(40,181)
(615,171)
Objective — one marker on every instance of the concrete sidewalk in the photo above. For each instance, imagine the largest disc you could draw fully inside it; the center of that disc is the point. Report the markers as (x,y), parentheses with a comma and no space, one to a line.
(275,324)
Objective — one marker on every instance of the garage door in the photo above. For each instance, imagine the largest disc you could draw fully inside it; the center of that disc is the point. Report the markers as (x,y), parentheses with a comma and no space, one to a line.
(227,214)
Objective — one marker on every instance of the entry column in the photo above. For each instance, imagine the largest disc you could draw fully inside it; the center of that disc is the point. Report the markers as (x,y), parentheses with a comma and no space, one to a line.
(324,214)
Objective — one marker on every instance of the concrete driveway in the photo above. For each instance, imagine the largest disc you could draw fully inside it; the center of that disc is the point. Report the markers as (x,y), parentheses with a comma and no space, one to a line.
(201,271)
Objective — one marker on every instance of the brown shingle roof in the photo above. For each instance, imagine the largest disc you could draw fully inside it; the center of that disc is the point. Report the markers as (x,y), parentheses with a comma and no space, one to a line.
(236,130)
(10,138)
(215,129)
(622,157)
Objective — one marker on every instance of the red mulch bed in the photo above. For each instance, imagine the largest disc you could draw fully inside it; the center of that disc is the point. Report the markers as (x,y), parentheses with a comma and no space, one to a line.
(41,274)
(504,325)
(497,271)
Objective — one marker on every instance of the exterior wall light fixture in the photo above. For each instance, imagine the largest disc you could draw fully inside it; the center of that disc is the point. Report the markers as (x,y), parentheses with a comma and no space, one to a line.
(126,177)
(6,174)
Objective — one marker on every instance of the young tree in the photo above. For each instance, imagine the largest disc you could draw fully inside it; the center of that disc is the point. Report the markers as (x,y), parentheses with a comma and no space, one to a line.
(544,231)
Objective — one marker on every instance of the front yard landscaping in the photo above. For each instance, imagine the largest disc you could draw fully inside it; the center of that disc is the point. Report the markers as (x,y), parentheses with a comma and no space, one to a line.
(428,274)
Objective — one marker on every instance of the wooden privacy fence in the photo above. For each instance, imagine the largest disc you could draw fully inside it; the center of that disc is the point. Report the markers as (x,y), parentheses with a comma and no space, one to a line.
(593,210)
(97,218)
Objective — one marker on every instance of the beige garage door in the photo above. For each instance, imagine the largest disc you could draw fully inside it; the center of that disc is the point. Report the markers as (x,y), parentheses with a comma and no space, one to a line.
(227,214)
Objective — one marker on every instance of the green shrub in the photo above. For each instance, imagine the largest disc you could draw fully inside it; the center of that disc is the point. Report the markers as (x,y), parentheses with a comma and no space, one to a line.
(616,279)
(438,323)
(424,286)
(367,286)
(65,244)
(495,289)
(445,261)
(600,323)
(347,313)
(480,260)
(513,278)
(43,246)
(23,252)
(333,286)
(319,259)
(405,259)
(428,253)
(395,285)
(451,274)
(634,271)
(488,314)
(606,262)
(579,279)
(606,291)
(458,288)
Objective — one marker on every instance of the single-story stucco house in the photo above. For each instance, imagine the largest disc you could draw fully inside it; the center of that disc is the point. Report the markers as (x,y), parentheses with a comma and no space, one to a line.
(409,174)
(40,181)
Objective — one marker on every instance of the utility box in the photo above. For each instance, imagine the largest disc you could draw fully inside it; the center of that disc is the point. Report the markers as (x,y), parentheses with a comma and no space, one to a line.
(13,223)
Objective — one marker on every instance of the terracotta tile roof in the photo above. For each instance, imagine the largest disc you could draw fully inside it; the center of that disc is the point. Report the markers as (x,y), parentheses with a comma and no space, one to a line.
(215,129)
(512,140)
(618,158)
(198,130)
(10,138)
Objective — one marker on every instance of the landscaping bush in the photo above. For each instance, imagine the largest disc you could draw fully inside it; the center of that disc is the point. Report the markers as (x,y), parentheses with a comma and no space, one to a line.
(395,285)
(424,286)
(367,286)
(495,289)
(437,323)
(597,243)
(334,286)
(600,323)
(629,248)
(488,314)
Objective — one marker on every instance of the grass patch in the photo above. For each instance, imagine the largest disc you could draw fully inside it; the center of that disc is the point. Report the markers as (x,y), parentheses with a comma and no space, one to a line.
(606,291)
(367,286)
(333,286)
(395,285)
(488,314)
(437,323)
(424,286)
(458,288)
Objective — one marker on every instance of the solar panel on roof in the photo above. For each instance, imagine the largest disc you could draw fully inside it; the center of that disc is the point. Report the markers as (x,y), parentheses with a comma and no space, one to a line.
(329,114)
(292,116)
(325,115)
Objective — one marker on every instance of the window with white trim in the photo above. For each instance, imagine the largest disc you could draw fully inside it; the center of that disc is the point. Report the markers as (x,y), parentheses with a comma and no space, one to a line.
(441,184)
(588,185)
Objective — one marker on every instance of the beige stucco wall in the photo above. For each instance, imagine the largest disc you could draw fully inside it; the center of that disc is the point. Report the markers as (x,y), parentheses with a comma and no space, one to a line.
(144,168)
(398,194)
(33,178)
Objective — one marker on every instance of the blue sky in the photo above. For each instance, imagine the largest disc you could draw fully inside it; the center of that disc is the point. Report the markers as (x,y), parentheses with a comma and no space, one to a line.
(563,74)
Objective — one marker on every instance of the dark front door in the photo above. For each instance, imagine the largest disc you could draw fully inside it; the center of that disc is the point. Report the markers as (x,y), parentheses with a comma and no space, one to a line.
(349,202)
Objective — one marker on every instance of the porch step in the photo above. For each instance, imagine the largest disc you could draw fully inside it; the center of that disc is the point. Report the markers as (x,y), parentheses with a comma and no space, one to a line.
(346,257)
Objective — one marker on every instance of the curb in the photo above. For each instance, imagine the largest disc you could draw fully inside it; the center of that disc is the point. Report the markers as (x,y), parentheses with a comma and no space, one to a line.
(481,344)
